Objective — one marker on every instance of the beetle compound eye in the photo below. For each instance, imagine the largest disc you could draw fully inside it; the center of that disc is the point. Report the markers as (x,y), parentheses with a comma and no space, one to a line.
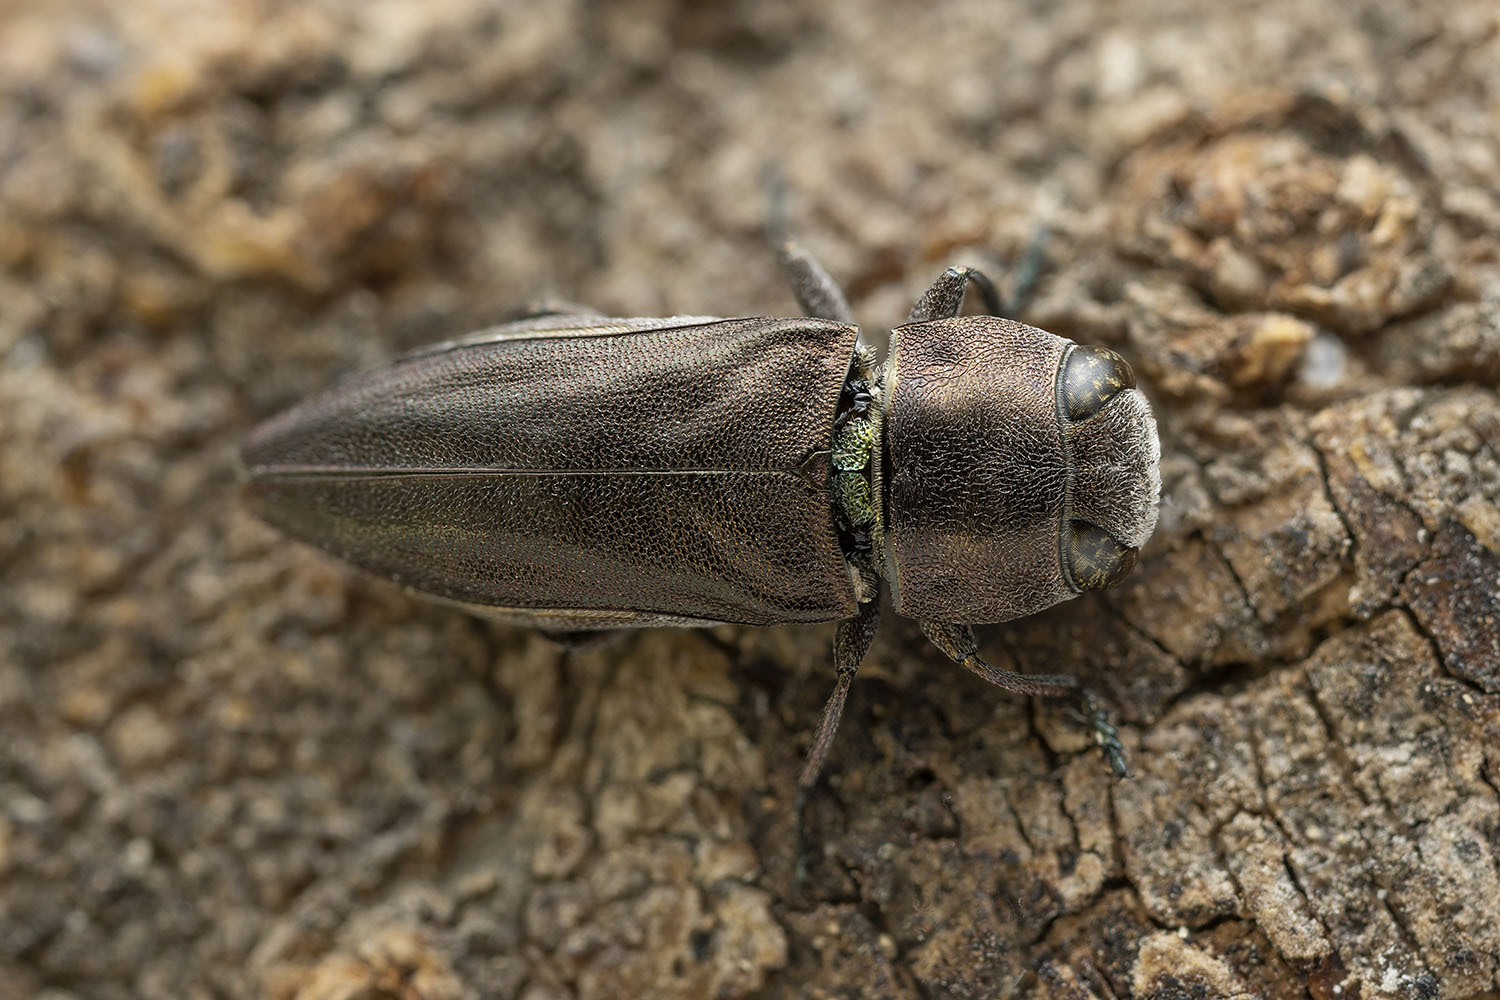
(1095,559)
(1091,377)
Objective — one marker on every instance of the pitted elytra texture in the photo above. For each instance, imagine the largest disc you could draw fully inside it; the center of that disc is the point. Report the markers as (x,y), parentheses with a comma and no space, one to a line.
(578,468)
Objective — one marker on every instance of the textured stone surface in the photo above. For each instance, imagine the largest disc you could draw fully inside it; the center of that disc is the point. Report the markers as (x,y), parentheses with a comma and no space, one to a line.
(230,768)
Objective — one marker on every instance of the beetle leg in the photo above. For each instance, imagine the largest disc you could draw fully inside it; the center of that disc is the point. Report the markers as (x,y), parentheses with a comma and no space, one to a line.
(945,297)
(958,642)
(816,291)
(850,644)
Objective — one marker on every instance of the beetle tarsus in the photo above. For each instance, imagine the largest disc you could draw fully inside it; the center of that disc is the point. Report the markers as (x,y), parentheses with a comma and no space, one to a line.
(1105,734)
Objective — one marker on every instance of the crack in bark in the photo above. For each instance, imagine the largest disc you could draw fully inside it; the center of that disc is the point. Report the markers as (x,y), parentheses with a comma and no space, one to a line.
(1262,784)
(1432,642)
(1020,823)
(1490,783)
(1337,751)
(1473,688)
(1350,773)
(1234,574)
(1032,715)
(1114,612)
(1351,550)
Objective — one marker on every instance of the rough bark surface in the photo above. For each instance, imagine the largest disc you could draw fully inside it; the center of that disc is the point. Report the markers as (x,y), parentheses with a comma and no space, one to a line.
(229,768)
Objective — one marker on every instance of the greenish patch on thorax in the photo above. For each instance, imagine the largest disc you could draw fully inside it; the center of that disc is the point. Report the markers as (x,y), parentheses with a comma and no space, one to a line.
(854,478)
(852,448)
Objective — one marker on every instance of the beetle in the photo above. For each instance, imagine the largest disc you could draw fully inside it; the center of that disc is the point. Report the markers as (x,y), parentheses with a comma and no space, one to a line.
(575,472)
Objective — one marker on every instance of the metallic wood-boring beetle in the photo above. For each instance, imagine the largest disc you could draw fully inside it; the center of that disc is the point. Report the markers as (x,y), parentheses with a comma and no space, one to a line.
(575,472)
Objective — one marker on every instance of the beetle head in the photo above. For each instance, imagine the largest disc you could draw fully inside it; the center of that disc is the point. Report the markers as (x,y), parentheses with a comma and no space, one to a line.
(1021,469)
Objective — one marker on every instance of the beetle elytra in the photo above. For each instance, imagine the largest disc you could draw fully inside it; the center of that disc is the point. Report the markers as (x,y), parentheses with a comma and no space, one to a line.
(576,472)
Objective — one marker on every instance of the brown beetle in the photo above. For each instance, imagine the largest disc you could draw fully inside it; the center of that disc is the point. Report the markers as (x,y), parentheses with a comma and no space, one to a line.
(574,472)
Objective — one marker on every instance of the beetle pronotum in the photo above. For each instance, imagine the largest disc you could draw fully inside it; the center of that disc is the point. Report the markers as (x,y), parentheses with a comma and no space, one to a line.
(575,472)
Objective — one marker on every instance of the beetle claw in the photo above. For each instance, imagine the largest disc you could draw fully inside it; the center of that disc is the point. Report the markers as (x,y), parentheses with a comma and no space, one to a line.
(1105,734)
(1116,762)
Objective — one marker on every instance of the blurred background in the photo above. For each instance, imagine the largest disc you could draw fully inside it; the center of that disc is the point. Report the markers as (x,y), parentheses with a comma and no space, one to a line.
(230,768)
